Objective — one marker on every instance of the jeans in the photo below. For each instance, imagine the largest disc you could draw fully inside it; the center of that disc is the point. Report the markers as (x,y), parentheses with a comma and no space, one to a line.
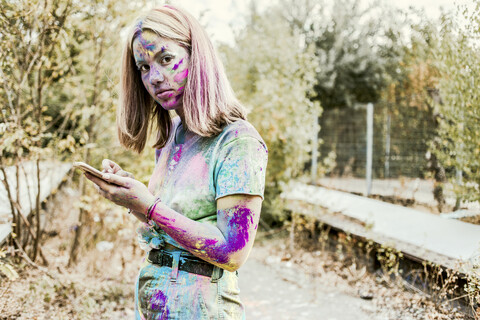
(168,293)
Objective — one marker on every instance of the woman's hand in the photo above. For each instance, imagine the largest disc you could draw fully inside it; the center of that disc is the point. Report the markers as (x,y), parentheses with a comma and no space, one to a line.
(111,167)
(124,191)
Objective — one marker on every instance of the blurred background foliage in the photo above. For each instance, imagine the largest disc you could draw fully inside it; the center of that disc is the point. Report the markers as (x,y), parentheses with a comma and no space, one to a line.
(275,78)
(303,68)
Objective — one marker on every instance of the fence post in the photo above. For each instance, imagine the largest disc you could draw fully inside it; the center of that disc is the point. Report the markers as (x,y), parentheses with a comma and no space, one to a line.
(368,174)
(387,146)
(314,168)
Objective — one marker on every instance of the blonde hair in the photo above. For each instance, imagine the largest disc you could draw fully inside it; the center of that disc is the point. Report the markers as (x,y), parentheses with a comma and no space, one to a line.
(208,101)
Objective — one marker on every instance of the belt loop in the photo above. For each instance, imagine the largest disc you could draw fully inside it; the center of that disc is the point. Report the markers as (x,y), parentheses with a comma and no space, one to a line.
(175,263)
(216,274)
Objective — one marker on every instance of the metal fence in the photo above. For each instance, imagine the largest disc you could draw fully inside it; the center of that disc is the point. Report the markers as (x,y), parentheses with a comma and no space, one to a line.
(400,141)
(399,160)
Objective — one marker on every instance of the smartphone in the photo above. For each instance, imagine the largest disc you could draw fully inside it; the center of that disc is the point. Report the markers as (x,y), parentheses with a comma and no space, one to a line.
(87,168)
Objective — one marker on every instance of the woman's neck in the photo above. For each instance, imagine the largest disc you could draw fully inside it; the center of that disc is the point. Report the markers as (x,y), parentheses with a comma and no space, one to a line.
(182,116)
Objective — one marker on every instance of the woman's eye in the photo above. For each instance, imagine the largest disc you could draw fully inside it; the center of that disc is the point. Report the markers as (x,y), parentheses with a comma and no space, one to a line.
(167,59)
(143,68)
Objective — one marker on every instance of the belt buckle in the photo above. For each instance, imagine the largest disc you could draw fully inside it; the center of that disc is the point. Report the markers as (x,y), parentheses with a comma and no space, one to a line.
(160,257)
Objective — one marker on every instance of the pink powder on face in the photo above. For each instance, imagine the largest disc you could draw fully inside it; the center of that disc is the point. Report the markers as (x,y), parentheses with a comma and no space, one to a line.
(181,76)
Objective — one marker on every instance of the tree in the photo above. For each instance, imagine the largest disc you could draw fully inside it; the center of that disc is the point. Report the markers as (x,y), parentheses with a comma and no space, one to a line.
(36,51)
(458,142)
(273,74)
(58,80)
(350,45)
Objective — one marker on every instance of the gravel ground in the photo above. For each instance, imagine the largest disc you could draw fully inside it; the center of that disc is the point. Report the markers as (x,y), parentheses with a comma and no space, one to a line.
(282,292)
(312,285)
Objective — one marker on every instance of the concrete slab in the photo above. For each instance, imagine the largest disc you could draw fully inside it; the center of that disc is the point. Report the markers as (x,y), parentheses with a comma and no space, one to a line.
(419,190)
(427,234)
(52,174)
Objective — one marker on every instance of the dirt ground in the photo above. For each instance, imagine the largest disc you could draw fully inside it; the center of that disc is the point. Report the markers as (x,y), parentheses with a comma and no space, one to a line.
(312,285)
(274,283)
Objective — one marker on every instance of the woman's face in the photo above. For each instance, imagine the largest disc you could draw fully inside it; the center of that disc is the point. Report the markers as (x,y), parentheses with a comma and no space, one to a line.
(163,65)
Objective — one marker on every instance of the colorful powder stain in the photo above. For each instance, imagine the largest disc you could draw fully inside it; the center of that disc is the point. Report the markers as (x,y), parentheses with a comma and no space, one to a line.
(147,40)
(210,242)
(178,154)
(238,228)
(175,67)
(237,237)
(150,46)
(158,302)
(181,76)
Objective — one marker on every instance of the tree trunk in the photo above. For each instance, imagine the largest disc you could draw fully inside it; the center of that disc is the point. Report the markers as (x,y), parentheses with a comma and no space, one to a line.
(37,214)
(79,228)
(98,52)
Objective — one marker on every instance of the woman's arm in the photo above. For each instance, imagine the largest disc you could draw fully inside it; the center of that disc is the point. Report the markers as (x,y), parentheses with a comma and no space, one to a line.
(226,245)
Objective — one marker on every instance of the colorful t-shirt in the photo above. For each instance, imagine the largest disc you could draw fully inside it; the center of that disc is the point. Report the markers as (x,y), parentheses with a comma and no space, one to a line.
(192,173)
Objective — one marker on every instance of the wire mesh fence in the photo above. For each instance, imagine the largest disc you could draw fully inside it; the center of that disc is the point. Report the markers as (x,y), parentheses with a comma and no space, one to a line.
(400,157)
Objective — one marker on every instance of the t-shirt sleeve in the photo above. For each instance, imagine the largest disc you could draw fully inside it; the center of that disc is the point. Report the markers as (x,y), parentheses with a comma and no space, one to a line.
(240,167)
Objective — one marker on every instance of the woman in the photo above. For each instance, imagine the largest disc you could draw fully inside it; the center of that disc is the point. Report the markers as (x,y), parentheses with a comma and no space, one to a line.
(201,209)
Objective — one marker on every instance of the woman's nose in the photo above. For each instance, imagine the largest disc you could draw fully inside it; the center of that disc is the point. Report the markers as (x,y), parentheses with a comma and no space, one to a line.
(156,76)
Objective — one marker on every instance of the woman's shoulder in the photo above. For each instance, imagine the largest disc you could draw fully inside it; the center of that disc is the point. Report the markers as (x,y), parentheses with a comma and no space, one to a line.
(238,130)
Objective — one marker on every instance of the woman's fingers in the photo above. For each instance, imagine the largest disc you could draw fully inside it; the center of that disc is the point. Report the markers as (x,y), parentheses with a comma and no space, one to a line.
(98,182)
(116,179)
(110,185)
(124,173)
(110,167)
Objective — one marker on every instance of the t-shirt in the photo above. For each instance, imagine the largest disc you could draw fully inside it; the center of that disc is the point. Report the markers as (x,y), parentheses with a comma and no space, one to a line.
(192,172)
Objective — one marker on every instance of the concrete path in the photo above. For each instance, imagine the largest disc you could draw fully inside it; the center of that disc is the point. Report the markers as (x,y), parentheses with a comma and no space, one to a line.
(423,235)
(281,291)
(419,190)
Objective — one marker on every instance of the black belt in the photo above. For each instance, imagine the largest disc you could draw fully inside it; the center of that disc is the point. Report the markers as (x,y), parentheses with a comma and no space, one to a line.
(188,264)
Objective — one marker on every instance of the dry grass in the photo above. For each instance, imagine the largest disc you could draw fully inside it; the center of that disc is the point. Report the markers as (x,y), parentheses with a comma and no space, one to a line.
(100,286)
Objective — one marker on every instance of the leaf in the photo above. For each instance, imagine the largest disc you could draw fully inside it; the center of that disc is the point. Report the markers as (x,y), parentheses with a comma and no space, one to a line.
(8,271)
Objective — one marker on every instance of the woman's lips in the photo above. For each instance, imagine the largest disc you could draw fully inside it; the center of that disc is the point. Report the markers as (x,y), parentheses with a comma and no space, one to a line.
(165,94)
